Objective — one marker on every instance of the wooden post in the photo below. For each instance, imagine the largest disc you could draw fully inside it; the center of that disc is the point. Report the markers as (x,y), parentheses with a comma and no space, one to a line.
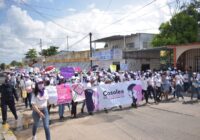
(174,51)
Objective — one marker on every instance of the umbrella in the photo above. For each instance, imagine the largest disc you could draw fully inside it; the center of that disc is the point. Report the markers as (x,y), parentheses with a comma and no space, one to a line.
(77,69)
(49,68)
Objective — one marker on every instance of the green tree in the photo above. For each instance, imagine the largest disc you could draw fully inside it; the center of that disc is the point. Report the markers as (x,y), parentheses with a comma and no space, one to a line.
(31,54)
(3,66)
(52,50)
(14,63)
(20,64)
(182,28)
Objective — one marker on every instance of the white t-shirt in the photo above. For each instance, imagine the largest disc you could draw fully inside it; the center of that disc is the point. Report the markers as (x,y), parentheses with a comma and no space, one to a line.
(40,102)
(186,77)
(28,85)
(151,81)
(178,80)
(22,84)
(158,81)
(144,84)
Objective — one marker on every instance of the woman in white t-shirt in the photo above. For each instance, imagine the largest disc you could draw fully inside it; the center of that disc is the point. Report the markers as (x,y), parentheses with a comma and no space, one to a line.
(39,104)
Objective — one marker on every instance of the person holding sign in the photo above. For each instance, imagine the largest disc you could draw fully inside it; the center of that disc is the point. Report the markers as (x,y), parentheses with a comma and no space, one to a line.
(64,96)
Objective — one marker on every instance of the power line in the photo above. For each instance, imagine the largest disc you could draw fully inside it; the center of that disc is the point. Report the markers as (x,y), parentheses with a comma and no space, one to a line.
(122,18)
(145,14)
(108,6)
(147,29)
(47,8)
(42,15)
(77,42)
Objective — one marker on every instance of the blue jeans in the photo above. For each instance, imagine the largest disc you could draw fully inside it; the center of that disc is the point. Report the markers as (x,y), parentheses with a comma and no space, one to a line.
(61,109)
(36,119)
(178,91)
(195,91)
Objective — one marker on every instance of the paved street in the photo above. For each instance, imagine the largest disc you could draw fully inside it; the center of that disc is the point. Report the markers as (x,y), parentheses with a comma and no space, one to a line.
(166,121)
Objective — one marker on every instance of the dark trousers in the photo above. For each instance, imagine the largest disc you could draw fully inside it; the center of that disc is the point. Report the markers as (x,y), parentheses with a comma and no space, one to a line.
(150,90)
(158,93)
(11,105)
(28,100)
(178,91)
(186,86)
(73,111)
(146,95)
(83,106)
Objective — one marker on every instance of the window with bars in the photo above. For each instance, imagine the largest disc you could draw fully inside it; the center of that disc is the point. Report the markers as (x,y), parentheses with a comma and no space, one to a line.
(130,45)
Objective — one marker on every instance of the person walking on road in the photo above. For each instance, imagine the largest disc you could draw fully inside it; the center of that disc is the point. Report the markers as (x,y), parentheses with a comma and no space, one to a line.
(8,93)
(29,90)
(39,104)
(179,84)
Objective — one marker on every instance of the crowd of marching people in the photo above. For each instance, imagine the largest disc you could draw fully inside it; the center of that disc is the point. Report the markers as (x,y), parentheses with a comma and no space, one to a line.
(35,89)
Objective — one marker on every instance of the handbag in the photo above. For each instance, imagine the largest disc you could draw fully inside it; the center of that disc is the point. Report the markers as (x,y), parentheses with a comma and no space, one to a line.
(24,94)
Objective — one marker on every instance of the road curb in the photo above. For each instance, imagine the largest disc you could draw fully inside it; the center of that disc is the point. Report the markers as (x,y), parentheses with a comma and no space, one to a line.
(6,133)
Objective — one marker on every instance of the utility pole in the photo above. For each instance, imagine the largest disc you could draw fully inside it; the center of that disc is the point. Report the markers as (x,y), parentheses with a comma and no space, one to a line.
(67,43)
(43,60)
(90,34)
(41,45)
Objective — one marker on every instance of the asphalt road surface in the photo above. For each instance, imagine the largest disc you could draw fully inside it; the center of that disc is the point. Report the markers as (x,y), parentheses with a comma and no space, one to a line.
(165,121)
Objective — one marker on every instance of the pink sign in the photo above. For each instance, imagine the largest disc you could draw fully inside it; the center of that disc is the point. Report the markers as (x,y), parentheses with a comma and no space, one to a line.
(79,93)
(138,90)
(78,88)
(64,94)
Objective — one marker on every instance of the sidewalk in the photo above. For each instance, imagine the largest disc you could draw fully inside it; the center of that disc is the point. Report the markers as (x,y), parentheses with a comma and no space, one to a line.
(5,132)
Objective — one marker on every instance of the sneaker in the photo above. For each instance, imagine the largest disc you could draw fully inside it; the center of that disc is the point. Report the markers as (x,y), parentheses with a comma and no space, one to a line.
(82,111)
(16,117)
(4,122)
(34,138)
(61,118)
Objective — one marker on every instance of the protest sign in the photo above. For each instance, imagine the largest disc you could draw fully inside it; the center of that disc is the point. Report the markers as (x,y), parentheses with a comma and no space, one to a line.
(113,68)
(67,72)
(79,93)
(52,92)
(111,95)
(64,94)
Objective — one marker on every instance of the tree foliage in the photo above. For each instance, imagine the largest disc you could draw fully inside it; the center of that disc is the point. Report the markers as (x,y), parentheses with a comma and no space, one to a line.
(182,28)
(31,54)
(3,66)
(52,50)
(15,63)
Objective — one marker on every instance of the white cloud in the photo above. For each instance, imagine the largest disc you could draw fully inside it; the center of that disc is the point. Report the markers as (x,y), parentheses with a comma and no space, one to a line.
(21,32)
(2,4)
(91,6)
(71,10)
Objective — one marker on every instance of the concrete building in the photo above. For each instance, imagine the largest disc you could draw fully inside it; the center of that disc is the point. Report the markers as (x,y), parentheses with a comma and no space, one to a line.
(127,52)
(70,58)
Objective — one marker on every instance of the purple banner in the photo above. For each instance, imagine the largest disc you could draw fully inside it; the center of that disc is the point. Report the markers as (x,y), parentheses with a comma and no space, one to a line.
(67,72)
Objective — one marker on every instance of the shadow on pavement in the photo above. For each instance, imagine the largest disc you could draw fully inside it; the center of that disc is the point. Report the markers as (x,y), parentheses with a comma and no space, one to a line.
(191,102)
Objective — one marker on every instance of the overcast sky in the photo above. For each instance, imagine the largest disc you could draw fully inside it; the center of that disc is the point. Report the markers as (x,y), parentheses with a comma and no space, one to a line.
(23,23)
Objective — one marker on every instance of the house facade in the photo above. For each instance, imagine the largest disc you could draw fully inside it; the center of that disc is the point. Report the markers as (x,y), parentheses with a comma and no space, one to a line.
(123,51)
